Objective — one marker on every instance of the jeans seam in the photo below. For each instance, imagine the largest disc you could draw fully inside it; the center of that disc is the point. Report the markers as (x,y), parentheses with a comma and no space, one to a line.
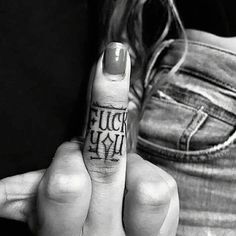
(201,76)
(189,108)
(198,119)
(206,45)
(228,117)
(214,152)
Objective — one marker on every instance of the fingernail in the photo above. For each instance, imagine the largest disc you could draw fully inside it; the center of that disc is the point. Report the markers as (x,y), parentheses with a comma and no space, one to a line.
(114,61)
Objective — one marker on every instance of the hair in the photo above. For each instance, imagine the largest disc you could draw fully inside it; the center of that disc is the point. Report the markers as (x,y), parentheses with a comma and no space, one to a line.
(124,21)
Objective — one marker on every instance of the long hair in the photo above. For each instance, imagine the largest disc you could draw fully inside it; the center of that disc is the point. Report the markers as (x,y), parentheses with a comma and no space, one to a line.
(124,21)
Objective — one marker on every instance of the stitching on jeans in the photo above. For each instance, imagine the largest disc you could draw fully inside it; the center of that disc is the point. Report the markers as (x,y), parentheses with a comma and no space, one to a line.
(214,152)
(228,117)
(214,48)
(201,76)
(176,103)
(183,156)
(197,120)
(206,76)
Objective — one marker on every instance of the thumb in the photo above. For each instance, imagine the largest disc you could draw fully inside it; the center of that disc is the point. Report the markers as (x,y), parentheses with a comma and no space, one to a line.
(105,145)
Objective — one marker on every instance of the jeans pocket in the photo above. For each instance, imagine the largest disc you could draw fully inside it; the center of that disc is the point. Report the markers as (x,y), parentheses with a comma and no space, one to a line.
(183,121)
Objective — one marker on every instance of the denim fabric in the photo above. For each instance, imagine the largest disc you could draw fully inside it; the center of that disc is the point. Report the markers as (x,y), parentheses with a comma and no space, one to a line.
(188,129)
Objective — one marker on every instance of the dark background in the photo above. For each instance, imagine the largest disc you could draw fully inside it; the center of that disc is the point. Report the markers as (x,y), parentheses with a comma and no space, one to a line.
(46,50)
(214,16)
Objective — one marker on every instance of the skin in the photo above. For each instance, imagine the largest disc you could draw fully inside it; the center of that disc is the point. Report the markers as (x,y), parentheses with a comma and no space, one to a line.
(78,195)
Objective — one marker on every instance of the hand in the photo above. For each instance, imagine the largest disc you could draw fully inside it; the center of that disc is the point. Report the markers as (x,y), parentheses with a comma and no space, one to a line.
(82,192)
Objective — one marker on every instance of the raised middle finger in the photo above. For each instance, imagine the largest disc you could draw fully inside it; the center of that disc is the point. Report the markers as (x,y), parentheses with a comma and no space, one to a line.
(105,146)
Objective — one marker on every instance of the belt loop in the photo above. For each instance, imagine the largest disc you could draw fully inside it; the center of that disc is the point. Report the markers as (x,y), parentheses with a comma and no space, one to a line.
(197,121)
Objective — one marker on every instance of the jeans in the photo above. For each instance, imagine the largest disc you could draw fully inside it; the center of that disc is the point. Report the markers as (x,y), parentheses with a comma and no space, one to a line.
(188,129)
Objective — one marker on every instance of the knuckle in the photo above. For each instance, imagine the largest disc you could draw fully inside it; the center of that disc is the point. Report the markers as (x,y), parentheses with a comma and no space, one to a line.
(61,187)
(102,172)
(3,193)
(67,146)
(153,193)
(172,185)
(68,153)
